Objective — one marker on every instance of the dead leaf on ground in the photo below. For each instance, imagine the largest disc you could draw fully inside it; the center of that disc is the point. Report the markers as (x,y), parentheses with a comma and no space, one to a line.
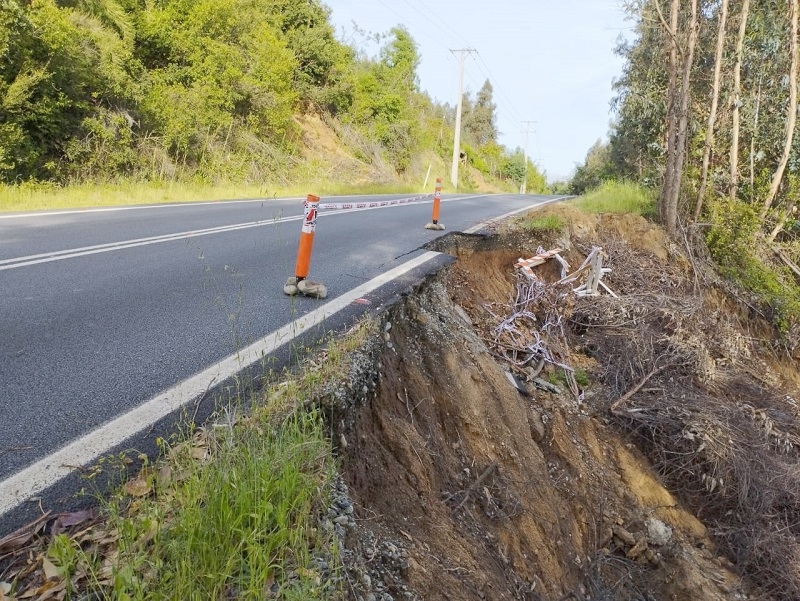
(67,520)
(50,570)
(52,589)
(20,537)
(164,477)
(138,487)
(14,542)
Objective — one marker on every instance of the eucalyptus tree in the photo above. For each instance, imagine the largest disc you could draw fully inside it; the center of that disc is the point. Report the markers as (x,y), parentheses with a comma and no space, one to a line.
(480,117)
(682,32)
(712,114)
(791,114)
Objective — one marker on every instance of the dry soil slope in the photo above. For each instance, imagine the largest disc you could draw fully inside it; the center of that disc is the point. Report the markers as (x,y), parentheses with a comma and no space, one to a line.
(467,488)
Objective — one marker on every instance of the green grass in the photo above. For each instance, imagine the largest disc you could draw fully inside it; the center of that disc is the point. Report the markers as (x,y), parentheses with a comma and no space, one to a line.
(246,519)
(229,510)
(618,197)
(548,223)
(733,238)
(40,197)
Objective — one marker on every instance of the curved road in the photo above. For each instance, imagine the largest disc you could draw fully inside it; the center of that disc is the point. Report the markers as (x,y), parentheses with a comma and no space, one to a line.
(103,310)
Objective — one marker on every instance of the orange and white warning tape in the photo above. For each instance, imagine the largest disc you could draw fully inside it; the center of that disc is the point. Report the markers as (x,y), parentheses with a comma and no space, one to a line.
(370,205)
(526,264)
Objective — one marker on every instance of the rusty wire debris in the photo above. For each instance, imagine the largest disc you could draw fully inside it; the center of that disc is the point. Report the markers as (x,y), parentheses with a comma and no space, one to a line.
(530,331)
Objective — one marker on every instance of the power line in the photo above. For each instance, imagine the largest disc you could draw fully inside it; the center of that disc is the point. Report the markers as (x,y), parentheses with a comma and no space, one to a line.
(491,78)
(405,19)
(442,22)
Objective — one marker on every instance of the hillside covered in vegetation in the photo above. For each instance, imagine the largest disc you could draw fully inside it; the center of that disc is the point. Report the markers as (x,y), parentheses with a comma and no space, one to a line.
(214,90)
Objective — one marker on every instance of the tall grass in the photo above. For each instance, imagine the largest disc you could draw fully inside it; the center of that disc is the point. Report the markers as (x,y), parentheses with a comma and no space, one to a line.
(548,223)
(40,197)
(245,520)
(618,197)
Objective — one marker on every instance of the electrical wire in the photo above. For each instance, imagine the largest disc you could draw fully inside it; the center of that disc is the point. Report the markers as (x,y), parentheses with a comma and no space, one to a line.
(503,97)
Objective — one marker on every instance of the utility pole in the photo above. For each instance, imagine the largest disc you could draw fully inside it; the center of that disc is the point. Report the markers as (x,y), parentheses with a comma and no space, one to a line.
(457,137)
(523,189)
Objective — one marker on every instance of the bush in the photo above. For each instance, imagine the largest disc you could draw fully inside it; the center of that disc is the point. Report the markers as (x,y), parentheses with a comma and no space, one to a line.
(733,240)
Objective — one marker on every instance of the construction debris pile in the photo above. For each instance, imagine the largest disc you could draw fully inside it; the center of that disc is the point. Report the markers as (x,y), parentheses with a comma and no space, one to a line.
(530,333)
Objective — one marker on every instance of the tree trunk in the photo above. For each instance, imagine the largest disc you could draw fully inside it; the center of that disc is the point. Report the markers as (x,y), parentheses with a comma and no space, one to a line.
(672,112)
(712,116)
(683,123)
(791,116)
(737,87)
(781,222)
(753,137)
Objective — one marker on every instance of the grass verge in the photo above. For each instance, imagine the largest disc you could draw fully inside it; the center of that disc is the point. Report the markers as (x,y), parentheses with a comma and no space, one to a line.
(229,511)
(42,197)
(618,197)
(548,223)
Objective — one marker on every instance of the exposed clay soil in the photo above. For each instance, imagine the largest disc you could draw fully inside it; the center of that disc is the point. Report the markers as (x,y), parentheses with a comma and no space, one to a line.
(469,487)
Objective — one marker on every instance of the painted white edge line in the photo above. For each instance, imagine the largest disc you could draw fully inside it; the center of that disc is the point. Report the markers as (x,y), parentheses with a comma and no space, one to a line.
(60,255)
(32,480)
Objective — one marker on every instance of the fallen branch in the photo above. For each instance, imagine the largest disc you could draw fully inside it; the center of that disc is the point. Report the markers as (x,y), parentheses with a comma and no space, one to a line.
(787,261)
(477,483)
(627,396)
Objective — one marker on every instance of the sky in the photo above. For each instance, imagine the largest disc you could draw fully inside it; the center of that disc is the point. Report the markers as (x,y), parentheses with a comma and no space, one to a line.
(550,61)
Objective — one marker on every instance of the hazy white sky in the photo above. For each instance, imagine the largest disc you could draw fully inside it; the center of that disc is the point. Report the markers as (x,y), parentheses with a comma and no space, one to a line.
(550,61)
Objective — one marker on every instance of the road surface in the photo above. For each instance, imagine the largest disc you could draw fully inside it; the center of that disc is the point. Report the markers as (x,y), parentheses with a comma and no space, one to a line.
(103,311)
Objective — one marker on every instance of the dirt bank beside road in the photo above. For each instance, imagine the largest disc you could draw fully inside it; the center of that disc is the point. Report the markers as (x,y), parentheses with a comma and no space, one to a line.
(626,475)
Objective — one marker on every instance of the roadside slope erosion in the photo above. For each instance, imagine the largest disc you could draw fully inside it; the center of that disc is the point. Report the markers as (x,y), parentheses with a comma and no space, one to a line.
(523,443)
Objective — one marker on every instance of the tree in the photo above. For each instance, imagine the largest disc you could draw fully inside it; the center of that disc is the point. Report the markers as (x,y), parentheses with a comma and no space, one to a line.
(678,111)
(66,76)
(791,115)
(401,58)
(479,120)
(596,169)
(736,99)
(712,114)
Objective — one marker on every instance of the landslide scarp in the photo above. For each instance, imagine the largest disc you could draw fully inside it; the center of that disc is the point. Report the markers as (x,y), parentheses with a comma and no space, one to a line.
(470,484)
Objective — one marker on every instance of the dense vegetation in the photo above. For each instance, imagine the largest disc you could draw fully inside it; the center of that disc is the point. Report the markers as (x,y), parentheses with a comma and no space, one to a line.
(706,116)
(102,90)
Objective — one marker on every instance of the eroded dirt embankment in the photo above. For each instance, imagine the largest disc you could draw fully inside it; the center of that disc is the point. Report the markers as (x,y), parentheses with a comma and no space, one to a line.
(469,486)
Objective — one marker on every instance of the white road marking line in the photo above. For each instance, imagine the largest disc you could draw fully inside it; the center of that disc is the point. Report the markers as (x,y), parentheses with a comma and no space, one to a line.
(140,207)
(164,206)
(60,255)
(32,480)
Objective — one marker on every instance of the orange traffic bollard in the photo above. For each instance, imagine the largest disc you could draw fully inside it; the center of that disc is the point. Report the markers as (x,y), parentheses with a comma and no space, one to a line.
(307,237)
(299,283)
(437,201)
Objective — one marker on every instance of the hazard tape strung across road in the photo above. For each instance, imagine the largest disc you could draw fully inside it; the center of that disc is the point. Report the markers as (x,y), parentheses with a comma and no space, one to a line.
(371,205)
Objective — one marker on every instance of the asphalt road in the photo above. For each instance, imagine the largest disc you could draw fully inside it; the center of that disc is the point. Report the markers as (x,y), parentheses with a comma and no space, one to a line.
(101,310)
